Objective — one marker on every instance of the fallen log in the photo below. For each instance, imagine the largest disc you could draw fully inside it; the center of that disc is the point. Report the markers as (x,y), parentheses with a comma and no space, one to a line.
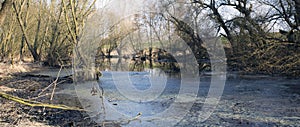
(37,104)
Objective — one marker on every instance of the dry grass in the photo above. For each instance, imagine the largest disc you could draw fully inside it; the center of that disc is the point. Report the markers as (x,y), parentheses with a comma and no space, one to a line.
(7,69)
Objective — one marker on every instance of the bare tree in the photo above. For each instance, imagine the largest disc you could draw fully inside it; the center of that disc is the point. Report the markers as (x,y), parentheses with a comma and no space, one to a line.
(5,7)
(18,11)
(286,12)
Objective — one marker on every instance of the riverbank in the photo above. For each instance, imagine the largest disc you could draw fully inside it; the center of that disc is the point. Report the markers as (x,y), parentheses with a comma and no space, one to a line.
(14,81)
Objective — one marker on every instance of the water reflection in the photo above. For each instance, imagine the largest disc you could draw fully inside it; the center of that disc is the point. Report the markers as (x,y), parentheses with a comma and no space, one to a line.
(121,64)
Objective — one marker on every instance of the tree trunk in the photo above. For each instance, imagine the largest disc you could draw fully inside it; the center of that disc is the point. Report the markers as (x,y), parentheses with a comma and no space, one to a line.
(34,53)
(6,4)
(297,16)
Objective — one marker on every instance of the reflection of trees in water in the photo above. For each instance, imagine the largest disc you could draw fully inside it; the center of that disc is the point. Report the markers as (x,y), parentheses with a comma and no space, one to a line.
(168,67)
(136,65)
(119,64)
(103,64)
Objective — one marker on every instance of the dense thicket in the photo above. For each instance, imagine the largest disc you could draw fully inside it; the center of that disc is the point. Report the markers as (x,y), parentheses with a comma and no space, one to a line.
(261,36)
(42,30)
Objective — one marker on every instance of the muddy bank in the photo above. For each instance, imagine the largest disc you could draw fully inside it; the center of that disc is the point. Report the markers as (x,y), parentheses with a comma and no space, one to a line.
(18,83)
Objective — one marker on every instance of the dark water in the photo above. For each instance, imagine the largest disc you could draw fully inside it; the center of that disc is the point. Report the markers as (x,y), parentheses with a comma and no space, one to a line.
(119,64)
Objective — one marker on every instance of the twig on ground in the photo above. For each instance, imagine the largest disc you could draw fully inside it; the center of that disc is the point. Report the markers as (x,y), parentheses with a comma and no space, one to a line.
(55,83)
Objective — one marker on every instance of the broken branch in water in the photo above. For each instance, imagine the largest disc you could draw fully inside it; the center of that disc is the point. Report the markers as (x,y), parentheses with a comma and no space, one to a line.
(37,104)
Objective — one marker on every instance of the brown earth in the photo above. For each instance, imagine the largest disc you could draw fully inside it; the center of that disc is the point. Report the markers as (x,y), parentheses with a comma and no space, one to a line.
(14,81)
